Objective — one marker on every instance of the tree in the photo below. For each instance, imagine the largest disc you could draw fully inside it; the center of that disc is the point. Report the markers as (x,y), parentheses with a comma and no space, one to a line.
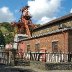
(8,26)
(9,38)
(7,31)
(2,39)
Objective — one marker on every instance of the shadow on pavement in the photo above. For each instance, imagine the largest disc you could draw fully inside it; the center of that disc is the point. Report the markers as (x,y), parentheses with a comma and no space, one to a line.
(15,70)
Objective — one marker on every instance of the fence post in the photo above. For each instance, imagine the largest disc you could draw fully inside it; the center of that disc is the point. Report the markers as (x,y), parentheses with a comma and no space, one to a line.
(62,55)
(56,58)
(45,55)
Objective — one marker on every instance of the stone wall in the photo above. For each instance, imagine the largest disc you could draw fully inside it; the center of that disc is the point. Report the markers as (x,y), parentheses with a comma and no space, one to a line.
(58,66)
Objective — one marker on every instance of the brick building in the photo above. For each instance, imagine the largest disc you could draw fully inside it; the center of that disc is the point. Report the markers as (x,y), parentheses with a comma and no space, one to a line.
(52,37)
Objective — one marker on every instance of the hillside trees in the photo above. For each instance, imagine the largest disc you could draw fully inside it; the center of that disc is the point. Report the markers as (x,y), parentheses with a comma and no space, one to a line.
(7,31)
(2,39)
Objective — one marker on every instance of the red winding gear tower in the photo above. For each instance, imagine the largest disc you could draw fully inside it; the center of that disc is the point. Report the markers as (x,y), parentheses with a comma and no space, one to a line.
(22,27)
(25,18)
(24,23)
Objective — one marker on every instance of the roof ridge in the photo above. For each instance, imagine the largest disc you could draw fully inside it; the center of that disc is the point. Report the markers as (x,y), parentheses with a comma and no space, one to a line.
(55,20)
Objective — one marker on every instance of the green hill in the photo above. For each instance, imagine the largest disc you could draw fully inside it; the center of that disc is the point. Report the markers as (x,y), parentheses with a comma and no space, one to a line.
(4,30)
(6,33)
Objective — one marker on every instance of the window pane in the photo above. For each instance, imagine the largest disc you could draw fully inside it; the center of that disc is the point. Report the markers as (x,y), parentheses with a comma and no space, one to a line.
(28,48)
(55,46)
(37,47)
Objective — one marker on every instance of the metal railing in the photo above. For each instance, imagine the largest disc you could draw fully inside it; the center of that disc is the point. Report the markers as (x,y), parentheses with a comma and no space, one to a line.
(48,57)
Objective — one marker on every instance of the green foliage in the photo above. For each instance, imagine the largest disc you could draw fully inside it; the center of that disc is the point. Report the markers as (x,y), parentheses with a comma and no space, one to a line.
(9,38)
(7,31)
(4,30)
(7,26)
(2,39)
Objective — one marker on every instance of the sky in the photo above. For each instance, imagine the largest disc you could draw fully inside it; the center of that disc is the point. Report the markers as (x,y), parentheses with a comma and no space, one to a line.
(42,11)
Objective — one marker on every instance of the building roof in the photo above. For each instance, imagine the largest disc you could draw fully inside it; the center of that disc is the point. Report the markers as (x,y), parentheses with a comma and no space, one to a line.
(55,21)
(49,33)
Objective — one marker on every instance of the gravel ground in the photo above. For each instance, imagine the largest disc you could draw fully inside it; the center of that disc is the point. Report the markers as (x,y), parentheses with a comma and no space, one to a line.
(39,70)
(12,69)
(28,69)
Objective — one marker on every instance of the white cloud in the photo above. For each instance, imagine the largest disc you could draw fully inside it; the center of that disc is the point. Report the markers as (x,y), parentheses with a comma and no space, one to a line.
(71,10)
(45,20)
(44,8)
(6,15)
